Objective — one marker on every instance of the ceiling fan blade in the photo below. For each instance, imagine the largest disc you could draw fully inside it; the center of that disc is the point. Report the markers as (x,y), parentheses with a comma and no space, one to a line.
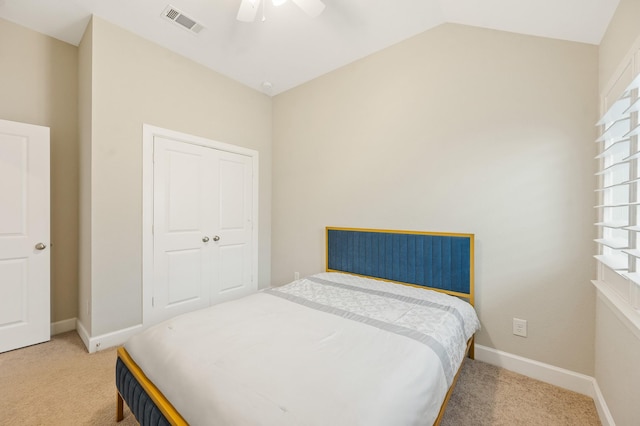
(312,8)
(248,10)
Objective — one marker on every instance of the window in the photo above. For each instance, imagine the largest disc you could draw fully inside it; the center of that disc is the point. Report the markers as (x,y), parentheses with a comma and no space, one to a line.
(619,196)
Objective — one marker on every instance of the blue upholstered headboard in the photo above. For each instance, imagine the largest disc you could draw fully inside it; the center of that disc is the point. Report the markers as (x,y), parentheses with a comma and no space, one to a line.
(439,261)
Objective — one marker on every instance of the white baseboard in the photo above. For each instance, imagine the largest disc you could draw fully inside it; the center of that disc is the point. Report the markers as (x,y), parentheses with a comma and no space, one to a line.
(63,326)
(82,332)
(547,373)
(601,406)
(567,379)
(107,340)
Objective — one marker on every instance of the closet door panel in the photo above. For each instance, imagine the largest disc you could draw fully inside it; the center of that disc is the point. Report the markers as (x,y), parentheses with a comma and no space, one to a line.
(182,269)
(232,276)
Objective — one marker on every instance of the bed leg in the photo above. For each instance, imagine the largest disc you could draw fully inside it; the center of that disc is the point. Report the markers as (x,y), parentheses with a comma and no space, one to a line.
(119,408)
(472,347)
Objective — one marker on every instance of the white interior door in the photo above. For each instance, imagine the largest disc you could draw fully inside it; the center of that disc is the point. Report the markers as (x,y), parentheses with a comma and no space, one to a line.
(203,227)
(24,235)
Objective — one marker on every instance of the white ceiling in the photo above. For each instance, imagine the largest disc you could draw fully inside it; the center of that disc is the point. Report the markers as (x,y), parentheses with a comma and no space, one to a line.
(289,48)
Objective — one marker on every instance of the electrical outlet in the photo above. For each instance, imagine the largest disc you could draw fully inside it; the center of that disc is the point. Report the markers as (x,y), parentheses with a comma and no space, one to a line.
(296,275)
(520,327)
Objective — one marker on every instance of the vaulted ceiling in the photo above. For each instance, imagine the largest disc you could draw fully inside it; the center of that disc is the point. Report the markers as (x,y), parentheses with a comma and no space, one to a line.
(288,47)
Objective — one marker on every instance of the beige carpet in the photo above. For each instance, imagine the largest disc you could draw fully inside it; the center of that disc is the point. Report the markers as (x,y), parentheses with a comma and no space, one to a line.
(488,395)
(59,383)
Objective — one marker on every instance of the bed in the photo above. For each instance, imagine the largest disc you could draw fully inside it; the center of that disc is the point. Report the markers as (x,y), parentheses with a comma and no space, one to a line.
(349,346)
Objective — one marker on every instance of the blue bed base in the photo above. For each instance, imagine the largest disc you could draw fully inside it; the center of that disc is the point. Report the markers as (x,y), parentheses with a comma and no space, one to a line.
(140,403)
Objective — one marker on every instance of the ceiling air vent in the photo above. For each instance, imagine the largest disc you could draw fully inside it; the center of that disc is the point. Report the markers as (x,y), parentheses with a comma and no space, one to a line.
(181,19)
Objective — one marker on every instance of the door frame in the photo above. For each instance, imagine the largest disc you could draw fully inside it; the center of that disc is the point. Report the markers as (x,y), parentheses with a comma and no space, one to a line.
(149,132)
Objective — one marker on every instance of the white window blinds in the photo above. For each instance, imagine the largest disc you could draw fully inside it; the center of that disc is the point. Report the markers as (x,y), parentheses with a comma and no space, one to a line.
(619,186)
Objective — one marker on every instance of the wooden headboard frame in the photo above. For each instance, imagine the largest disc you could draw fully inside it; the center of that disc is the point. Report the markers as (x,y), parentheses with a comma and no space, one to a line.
(439,261)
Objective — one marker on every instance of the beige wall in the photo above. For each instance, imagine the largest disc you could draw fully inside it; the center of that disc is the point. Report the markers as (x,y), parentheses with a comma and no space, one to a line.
(465,130)
(622,32)
(133,82)
(478,128)
(617,346)
(85,115)
(617,368)
(38,85)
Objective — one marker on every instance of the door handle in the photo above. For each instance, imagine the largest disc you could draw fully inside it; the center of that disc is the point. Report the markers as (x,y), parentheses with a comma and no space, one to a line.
(216,238)
(205,239)
(41,246)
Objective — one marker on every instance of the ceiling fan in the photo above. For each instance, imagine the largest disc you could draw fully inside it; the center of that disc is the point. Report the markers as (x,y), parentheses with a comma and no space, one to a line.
(249,8)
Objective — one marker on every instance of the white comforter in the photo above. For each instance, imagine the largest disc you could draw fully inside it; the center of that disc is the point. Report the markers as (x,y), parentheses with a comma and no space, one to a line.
(331,349)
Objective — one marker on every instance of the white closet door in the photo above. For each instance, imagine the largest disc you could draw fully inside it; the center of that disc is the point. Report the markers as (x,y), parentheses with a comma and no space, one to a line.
(183,205)
(24,235)
(234,228)
(203,229)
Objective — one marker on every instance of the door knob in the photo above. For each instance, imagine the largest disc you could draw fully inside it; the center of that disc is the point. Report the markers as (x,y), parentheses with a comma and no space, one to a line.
(216,238)
(41,246)
(205,239)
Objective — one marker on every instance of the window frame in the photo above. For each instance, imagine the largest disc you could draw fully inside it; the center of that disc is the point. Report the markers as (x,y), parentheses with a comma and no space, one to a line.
(618,234)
